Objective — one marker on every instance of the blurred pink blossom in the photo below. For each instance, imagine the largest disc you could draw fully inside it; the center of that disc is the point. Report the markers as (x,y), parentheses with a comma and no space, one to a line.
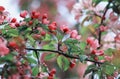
(3,48)
(85,6)
(93,42)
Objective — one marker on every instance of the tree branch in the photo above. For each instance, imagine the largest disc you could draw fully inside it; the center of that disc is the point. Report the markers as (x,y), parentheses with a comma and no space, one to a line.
(64,54)
(101,23)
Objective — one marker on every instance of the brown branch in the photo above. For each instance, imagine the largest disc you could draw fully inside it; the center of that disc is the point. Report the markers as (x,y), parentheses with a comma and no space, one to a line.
(64,54)
(102,20)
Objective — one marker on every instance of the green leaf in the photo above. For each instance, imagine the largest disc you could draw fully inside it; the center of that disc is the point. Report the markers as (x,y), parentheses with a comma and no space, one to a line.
(7,58)
(82,58)
(109,51)
(83,45)
(47,37)
(32,41)
(83,30)
(22,28)
(50,56)
(98,1)
(35,22)
(31,60)
(35,71)
(96,25)
(12,32)
(69,41)
(50,45)
(89,69)
(63,62)
(27,19)
(109,69)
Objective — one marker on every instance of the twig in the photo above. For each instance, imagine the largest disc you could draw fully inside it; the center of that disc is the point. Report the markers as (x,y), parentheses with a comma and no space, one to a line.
(101,23)
(64,54)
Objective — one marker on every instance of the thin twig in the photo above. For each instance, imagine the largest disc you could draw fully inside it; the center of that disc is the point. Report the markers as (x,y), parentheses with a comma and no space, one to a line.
(102,20)
(62,53)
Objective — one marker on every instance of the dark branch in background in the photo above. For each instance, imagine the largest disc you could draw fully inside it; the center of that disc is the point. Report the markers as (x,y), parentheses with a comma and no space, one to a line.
(102,20)
(64,54)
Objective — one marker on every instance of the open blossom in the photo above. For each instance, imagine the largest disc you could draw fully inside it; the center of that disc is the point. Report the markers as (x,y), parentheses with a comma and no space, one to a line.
(74,34)
(45,19)
(117,38)
(3,48)
(114,22)
(103,28)
(3,15)
(92,42)
(85,6)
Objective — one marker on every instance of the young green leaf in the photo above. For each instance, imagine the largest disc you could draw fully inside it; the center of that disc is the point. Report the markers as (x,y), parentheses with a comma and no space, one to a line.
(63,62)
(89,69)
(50,56)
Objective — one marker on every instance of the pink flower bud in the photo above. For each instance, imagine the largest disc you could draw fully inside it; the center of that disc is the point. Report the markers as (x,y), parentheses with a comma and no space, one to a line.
(23,14)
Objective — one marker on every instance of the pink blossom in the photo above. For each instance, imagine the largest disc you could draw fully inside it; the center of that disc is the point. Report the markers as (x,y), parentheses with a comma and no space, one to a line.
(78,37)
(12,25)
(100,52)
(3,48)
(109,37)
(108,58)
(117,38)
(117,46)
(35,14)
(52,26)
(13,20)
(114,22)
(23,14)
(45,21)
(85,6)
(103,28)
(108,45)
(65,29)
(113,17)
(77,11)
(97,52)
(22,23)
(93,42)
(42,75)
(73,34)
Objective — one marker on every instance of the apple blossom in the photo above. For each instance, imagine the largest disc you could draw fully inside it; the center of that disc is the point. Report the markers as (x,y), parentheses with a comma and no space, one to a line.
(93,42)
(52,26)
(4,50)
(23,14)
(65,29)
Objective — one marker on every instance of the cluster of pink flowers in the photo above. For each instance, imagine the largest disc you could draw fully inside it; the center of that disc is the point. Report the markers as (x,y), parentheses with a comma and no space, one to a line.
(92,42)
(3,14)
(93,46)
(84,6)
